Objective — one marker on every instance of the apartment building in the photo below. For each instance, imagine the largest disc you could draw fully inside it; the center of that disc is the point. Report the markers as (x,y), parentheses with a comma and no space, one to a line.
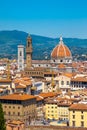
(19,106)
(78,115)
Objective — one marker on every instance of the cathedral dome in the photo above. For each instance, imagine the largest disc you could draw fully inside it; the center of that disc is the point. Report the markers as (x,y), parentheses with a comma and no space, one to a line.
(61,51)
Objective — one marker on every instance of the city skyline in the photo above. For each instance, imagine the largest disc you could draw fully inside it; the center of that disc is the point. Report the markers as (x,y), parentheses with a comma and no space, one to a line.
(47,18)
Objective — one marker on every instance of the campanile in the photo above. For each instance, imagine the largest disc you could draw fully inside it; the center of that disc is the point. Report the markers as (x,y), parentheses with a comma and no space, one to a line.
(29,52)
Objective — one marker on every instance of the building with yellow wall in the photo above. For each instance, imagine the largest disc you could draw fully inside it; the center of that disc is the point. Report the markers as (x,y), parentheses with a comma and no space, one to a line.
(56,110)
(63,111)
(78,115)
(51,110)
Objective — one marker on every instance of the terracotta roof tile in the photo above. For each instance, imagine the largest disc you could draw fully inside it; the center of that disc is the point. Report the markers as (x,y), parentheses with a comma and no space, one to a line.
(15,122)
(17,96)
(84,79)
(61,50)
(5,80)
(49,94)
(78,107)
(20,86)
(39,98)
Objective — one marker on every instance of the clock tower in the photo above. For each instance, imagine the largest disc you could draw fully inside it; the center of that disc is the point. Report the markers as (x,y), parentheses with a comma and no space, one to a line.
(29,52)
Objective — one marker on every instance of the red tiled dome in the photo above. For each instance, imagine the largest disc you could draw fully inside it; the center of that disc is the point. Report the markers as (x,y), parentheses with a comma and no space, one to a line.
(61,51)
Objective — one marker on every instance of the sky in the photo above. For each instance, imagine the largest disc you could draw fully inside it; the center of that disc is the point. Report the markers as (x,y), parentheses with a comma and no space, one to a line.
(51,18)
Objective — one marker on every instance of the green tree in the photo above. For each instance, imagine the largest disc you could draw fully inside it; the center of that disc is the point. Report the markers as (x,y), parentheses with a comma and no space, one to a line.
(2,120)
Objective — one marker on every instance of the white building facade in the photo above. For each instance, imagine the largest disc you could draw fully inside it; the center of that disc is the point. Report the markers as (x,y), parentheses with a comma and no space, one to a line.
(20,57)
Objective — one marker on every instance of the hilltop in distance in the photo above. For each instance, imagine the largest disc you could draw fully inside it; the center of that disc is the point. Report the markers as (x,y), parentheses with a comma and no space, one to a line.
(42,46)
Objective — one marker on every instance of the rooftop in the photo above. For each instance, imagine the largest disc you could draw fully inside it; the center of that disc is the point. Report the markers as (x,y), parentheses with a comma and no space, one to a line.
(17,96)
(78,107)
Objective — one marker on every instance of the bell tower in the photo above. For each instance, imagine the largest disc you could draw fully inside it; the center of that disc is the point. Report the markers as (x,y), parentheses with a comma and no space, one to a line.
(29,52)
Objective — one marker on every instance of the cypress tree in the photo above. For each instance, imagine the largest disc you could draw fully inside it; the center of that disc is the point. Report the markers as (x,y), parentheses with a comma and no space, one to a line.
(2,120)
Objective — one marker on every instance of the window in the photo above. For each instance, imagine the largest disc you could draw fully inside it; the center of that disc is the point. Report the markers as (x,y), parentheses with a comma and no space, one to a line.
(82,117)
(73,116)
(67,60)
(18,107)
(82,124)
(20,53)
(18,113)
(73,111)
(9,113)
(13,107)
(82,112)
(61,60)
(28,44)
(73,123)
(67,82)
(62,82)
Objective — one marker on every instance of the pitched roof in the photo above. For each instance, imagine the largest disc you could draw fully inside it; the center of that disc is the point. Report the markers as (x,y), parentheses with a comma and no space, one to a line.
(49,94)
(17,96)
(68,74)
(39,98)
(78,107)
(14,122)
(20,86)
(82,79)
(5,80)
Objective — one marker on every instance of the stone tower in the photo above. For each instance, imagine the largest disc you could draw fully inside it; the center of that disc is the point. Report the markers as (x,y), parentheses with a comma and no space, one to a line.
(20,57)
(29,52)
